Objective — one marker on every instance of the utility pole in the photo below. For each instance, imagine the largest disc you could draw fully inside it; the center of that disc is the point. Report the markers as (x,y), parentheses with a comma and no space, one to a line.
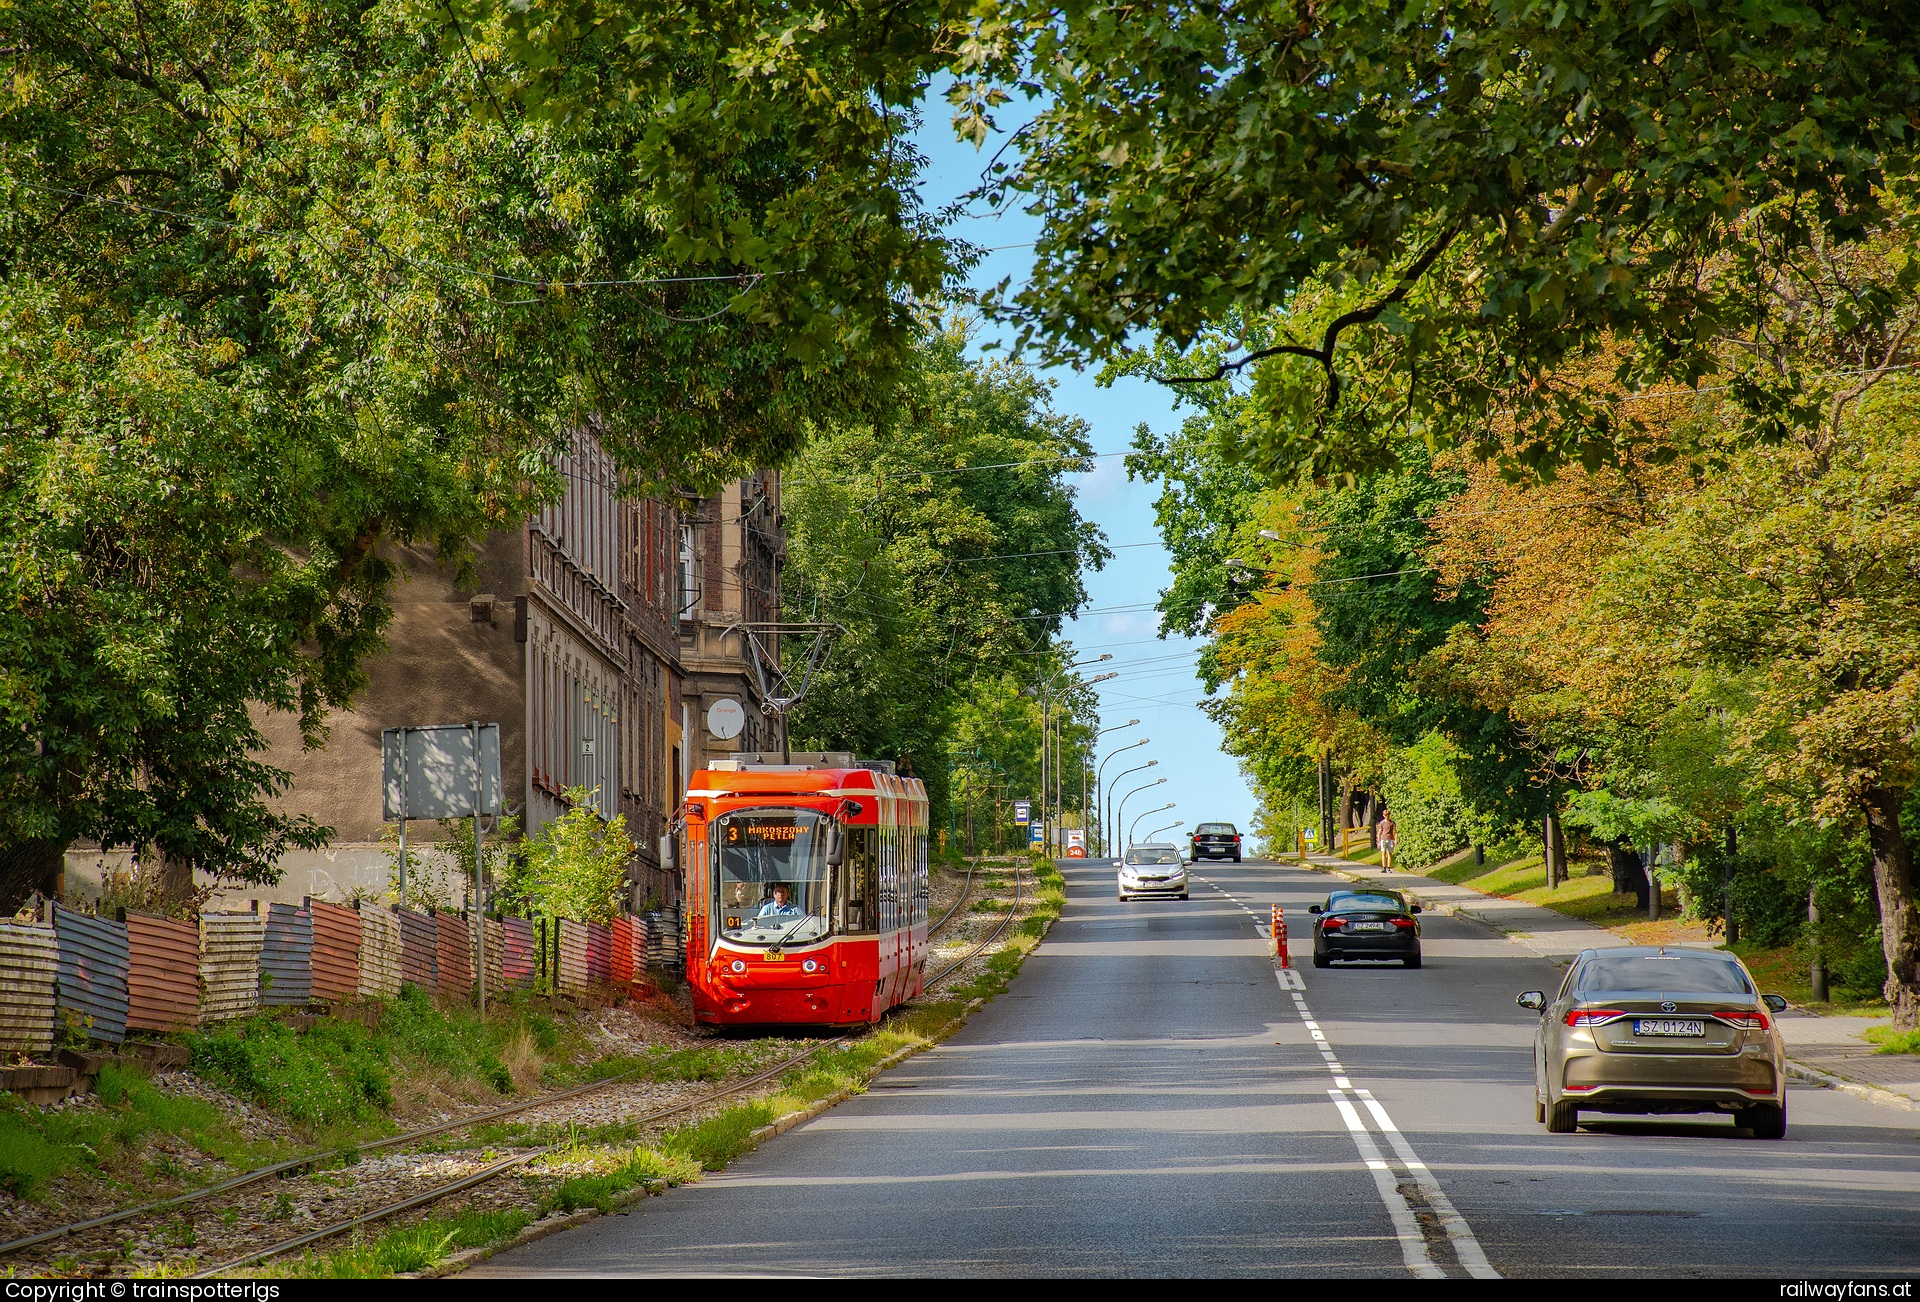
(1726,906)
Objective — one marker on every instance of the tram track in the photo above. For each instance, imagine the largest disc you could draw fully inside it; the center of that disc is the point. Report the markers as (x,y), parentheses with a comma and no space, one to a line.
(309,1161)
(518,1160)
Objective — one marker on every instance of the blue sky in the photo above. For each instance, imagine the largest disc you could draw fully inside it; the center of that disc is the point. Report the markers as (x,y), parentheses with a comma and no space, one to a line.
(1156,684)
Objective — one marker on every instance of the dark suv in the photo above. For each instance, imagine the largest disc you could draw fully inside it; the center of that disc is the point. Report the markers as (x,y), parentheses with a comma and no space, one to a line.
(1216,841)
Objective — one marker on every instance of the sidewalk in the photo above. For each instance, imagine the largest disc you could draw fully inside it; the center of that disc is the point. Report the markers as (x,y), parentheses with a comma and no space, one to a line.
(1826,1050)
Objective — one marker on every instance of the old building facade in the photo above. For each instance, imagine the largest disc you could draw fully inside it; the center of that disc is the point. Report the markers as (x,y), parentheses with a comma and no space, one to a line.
(601,636)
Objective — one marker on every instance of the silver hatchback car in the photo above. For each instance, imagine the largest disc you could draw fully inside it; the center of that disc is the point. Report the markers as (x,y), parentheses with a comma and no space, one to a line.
(1651,1029)
(1152,869)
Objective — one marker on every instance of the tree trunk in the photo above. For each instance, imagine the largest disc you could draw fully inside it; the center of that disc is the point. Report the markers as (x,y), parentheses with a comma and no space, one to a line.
(1629,874)
(1346,807)
(26,867)
(1899,927)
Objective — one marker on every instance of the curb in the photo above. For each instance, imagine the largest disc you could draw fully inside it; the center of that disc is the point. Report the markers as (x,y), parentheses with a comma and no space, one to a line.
(1813,1076)
(1871,1093)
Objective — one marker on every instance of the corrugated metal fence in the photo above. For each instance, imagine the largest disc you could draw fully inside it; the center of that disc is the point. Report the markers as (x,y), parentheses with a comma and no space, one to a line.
(452,944)
(29,973)
(286,961)
(163,981)
(336,950)
(230,945)
(573,958)
(145,973)
(519,956)
(419,949)
(599,953)
(94,959)
(380,948)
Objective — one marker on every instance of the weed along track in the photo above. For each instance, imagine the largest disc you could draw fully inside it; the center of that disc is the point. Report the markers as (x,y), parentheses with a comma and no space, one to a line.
(565,1146)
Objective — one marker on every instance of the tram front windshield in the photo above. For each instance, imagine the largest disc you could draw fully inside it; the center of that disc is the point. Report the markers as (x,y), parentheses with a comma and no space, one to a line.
(772,876)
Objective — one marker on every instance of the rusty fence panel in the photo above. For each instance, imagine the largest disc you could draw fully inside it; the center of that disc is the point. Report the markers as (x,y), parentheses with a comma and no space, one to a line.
(336,950)
(599,954)
(573,958)
(419,949)
(163,980)
(624,936)
(518,960)
(94,961)
(380,950)
(496,954)
(230,945)
(286,960)
(29,976)
(451,943)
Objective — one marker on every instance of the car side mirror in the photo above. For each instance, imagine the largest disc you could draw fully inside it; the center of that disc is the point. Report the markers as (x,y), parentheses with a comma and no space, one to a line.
(836,845)
(1314,908)
(1534,999)
(1778,1003)
(1414,909)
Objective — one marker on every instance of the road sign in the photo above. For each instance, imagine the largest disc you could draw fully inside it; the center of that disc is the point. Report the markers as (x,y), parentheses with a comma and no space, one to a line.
(1023,814)
(1311,835)
(1035,834)
(436,777)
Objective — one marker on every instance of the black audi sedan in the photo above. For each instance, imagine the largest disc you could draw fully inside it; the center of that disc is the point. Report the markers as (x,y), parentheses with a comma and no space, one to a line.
(1216,841)
(1366,925)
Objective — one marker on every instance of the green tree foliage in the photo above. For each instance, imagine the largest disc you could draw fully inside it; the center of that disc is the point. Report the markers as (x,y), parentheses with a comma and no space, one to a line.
(945,541)
(1446,201)
(574,867)
(281,285)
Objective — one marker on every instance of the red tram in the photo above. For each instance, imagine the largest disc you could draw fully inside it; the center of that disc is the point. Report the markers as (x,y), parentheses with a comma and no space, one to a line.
(806,891)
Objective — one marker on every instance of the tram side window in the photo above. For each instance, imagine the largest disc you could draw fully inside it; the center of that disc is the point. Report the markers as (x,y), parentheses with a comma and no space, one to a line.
(859,881)
(921,884)
(889,878)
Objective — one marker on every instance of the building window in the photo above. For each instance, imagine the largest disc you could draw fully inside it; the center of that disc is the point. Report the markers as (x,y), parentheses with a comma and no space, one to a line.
(688,596)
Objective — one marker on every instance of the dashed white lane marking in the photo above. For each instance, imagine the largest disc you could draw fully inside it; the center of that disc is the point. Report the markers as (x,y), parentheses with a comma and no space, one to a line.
(1413,1245)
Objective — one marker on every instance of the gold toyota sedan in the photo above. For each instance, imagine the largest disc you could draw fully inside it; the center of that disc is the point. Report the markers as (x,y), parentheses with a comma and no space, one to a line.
(1647,1029)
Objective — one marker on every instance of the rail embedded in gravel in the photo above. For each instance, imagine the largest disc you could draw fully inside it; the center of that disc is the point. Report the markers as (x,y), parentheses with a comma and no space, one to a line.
(500,1168)
(308,1160)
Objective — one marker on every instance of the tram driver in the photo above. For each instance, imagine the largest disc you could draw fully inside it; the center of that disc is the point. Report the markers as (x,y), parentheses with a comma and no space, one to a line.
(781,905)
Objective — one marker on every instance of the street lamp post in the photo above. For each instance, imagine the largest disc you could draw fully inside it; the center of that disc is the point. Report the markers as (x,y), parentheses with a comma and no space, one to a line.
(1044,691)
(1106,843)
(1159,809)
(1179,822)
(1121,815)
(1099,773)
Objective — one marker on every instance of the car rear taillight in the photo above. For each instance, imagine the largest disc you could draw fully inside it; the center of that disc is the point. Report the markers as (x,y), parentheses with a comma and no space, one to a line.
(1592,1016)
(1401,922)
(1330,924)
(1747,1019)
(1236,838)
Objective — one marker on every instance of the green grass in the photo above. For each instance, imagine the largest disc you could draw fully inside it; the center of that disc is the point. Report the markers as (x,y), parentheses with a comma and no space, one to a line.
(334,1075)
(407,1248)
(38,1146)
(1892,1041)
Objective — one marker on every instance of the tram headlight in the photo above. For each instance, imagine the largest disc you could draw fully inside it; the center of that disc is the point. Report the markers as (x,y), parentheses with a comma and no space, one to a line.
(809,966)
(739,965)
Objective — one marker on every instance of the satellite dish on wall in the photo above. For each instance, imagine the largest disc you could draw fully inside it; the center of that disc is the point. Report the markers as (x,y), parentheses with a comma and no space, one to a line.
(726,718)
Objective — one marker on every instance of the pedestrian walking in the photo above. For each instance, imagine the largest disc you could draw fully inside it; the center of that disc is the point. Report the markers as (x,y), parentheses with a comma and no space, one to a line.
(1387,834)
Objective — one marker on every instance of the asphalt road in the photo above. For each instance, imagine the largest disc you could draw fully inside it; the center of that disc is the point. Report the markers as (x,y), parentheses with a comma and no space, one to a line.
(1148,1098)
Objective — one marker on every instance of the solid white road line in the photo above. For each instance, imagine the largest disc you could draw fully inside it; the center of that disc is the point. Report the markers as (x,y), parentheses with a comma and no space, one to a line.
(1465,1246)
(1406,1227)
